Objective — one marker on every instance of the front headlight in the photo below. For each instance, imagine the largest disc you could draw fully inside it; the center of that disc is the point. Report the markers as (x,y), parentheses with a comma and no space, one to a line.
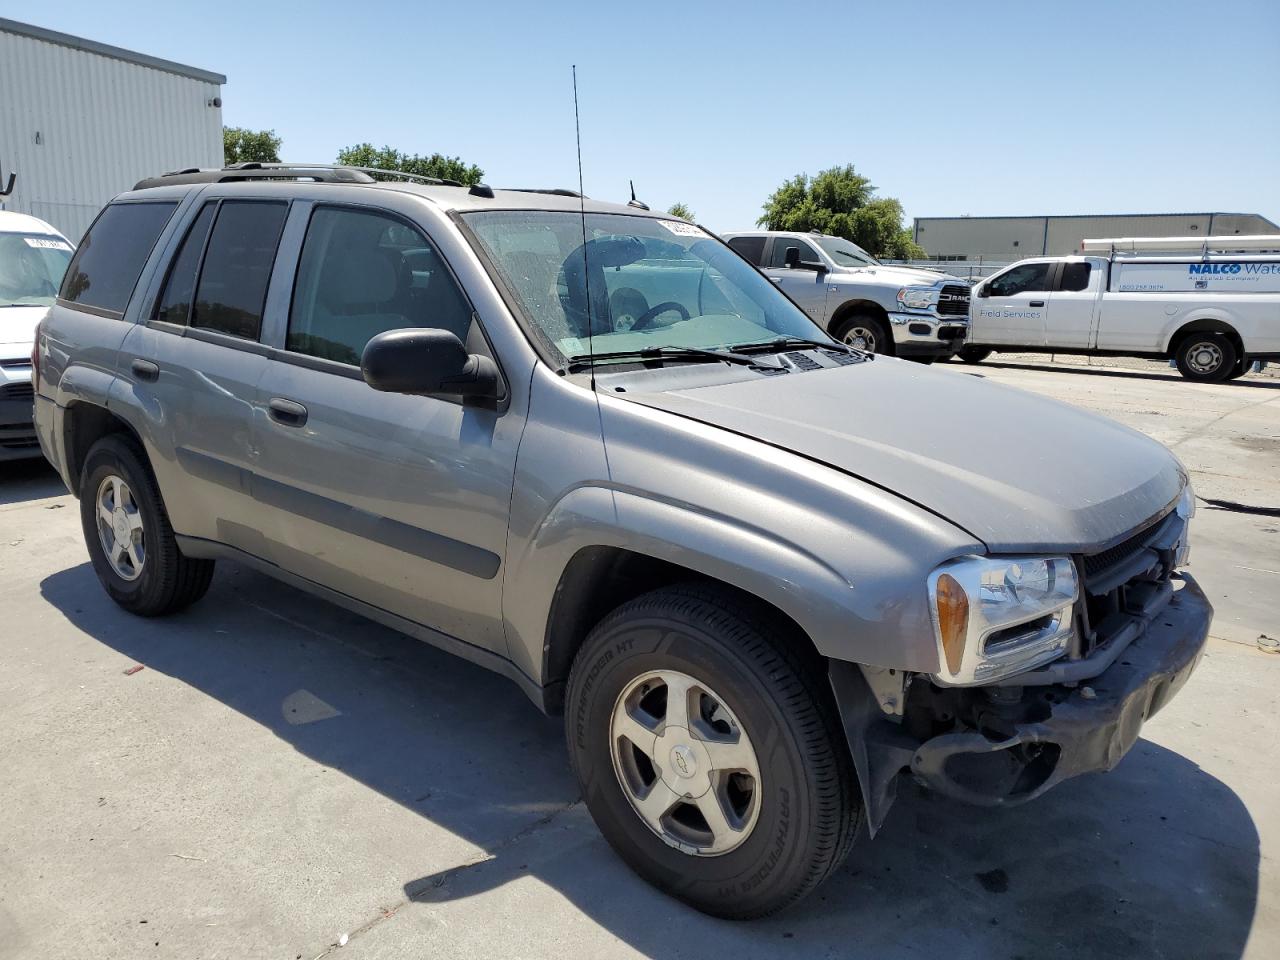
(997,616)
(917,298)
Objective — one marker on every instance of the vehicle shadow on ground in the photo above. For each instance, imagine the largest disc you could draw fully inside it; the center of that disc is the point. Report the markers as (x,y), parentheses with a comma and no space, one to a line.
(1155,859)
(24,480)
(1253,383)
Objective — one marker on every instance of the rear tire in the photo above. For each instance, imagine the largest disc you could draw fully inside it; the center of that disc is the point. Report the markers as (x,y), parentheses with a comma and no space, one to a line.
(1205,357)
(792,807)
(974,354)
(1240,369)
(864,331)
(127,531)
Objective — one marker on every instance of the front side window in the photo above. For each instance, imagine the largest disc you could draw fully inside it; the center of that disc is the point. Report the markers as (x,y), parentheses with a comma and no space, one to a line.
(637,282)
(31,268)
(232,289)
(846,254)
(779,256)
(1024,278)
(1075,276)
(112,254)
(362,274)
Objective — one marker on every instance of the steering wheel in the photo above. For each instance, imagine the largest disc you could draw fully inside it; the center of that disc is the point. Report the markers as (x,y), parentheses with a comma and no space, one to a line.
(645,320)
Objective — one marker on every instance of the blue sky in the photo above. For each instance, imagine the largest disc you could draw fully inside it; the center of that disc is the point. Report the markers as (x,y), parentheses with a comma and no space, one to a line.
(978,108)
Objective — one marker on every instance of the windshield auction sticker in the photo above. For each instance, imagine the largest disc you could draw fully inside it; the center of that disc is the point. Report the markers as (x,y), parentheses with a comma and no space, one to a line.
(683,229)
(47,243)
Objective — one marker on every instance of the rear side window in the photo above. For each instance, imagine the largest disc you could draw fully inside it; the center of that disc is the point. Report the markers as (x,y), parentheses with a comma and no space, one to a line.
(175,302)
(1075,276)
(237,265)
(112,254)
(750,248)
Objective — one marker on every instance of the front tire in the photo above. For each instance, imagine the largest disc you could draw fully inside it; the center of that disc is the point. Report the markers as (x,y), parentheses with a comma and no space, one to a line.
(126,528)
(709,753)
(864,331)
(1206,357)
(974,354)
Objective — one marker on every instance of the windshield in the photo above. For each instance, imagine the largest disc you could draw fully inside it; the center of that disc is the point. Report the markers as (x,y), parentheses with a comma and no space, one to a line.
(31,269)
(846,254)
(651,283)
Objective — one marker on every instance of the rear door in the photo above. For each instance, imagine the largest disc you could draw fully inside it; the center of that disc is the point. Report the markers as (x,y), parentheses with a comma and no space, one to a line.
(808,288)
(194,367)
(399,501)
(1071,314)
(1009,308)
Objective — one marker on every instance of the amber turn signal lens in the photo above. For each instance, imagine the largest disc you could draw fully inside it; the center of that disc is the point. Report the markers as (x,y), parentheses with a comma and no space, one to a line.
(953,619)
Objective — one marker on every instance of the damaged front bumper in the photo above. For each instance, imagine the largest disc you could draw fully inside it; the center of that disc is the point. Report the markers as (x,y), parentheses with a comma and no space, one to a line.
(1012,744)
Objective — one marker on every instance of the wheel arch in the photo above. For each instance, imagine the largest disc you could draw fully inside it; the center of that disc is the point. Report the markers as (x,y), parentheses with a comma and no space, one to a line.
(83,424)
(1205,324)
(862,305)
(599,579)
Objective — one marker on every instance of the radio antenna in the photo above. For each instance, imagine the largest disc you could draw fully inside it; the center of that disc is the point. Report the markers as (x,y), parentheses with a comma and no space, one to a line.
(582,209)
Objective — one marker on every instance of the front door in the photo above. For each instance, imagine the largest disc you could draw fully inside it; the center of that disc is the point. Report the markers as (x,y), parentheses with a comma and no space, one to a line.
(398,501)
(808,288)
(1009,309)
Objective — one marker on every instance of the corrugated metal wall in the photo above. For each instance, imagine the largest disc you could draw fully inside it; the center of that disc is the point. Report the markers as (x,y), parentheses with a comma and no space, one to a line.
(79,128)
(1012,238)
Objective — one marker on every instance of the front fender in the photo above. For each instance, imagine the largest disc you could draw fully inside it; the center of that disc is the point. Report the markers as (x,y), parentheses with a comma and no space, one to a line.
(844,620)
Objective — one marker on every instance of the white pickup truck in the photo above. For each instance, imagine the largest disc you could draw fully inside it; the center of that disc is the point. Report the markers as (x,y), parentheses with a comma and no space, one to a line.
(1211,304)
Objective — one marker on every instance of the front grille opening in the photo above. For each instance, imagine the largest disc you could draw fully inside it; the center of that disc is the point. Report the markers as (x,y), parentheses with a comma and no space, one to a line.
(953,301)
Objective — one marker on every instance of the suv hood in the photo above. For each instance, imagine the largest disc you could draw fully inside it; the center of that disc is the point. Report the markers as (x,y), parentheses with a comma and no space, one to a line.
(899,276)
(1017,471)
(18,330)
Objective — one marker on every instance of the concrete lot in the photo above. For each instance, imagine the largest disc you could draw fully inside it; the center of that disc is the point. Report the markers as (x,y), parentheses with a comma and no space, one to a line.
(281,774)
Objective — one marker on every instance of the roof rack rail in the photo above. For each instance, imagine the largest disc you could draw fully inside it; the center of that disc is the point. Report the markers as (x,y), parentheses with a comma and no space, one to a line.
(318,172)
(552,191)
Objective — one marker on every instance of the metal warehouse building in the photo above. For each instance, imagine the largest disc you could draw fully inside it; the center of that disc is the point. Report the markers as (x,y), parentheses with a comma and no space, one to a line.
(1012,238)
(82,121)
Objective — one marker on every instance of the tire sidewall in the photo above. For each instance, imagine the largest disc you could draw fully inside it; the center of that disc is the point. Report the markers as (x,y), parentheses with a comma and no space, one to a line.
(113,457)
(776,846)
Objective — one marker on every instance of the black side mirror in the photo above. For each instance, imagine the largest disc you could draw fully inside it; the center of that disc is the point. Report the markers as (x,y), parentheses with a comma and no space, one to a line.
(428,362)
(793,261)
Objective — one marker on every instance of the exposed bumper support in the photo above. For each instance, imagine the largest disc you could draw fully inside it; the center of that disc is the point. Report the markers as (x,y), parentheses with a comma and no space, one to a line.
(1064,730)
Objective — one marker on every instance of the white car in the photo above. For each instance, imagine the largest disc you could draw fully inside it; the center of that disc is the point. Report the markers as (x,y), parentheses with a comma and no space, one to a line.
(33,258)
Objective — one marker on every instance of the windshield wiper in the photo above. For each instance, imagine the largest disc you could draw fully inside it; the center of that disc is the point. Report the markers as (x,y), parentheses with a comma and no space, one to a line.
(788,343)
(584,360)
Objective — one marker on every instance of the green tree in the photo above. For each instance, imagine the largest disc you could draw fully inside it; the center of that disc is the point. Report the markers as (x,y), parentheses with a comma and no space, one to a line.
(388,158)
(240,145)
(682,211)
(841,202)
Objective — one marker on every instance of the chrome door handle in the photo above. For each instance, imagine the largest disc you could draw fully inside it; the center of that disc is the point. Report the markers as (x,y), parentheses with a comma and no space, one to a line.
(287,413)
(776,279)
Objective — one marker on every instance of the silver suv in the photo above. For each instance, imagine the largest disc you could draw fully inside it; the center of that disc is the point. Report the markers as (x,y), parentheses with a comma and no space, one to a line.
(762,574)
(919,314)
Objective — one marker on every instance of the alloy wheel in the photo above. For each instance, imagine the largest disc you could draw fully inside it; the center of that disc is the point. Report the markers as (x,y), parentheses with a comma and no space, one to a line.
(685,763)
(120,528)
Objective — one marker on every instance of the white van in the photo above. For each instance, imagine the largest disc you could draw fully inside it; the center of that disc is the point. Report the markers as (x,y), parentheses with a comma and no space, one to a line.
(33,258)
(1212,304)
